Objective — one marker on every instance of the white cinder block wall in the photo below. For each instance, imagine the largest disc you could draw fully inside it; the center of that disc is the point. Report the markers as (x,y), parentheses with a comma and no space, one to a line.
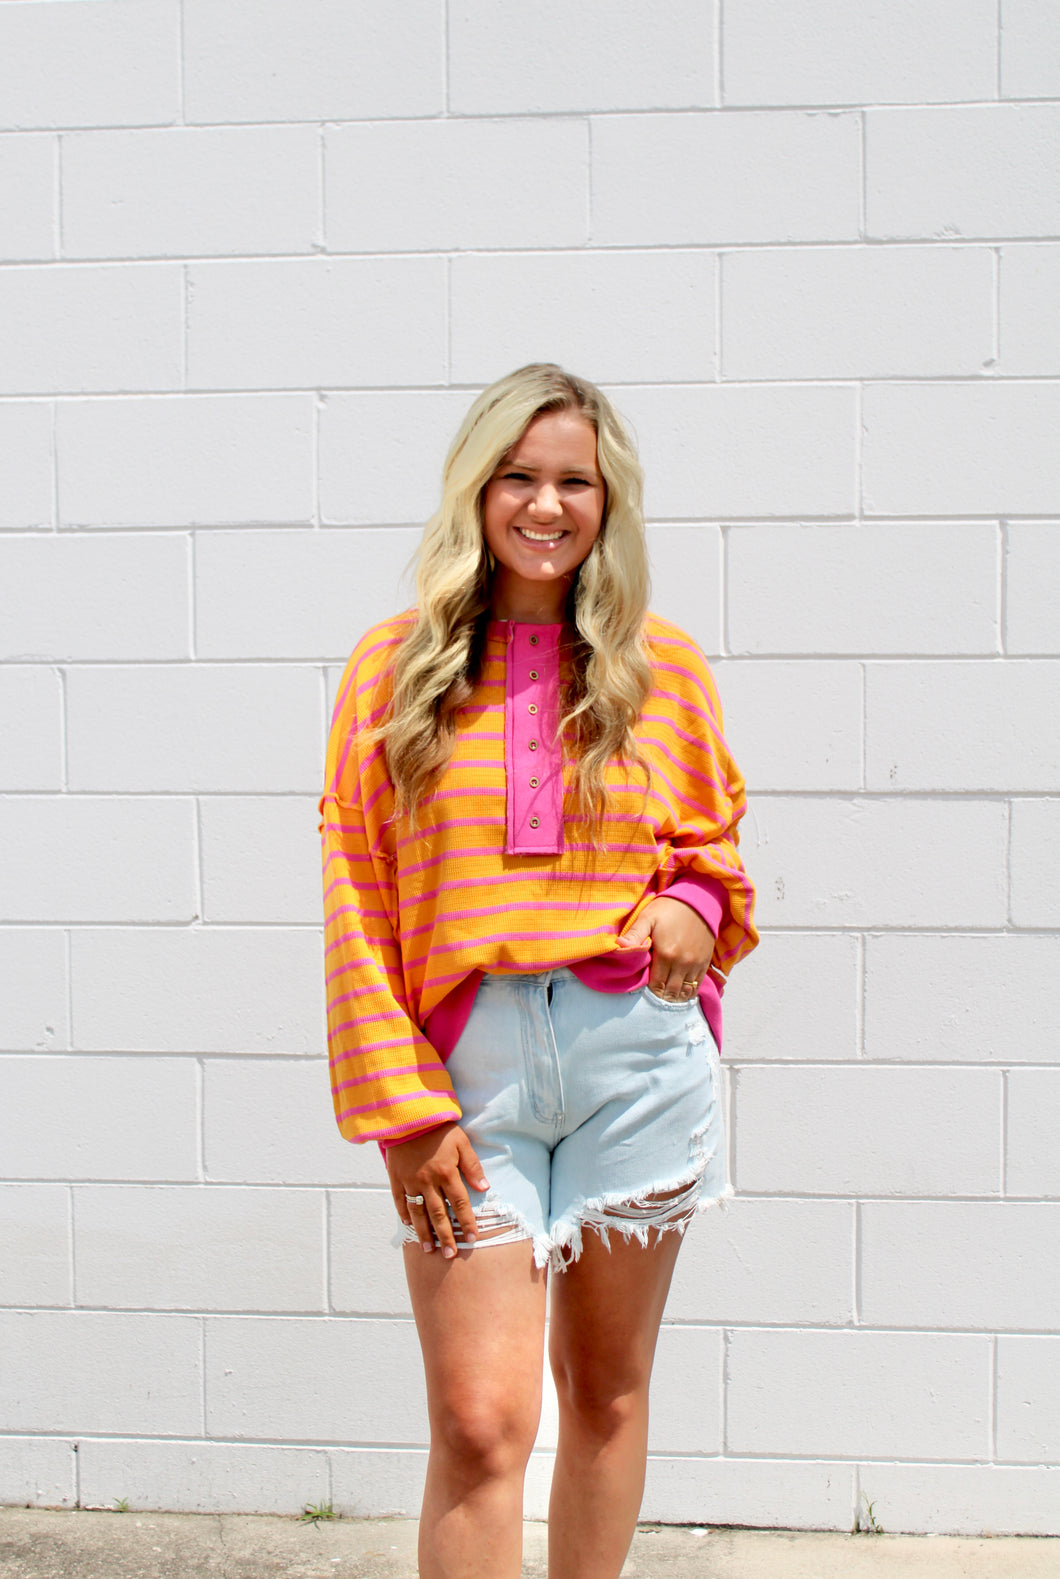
(259,254)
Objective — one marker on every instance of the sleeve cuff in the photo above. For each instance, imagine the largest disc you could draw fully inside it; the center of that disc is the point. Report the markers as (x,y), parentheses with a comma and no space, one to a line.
(705,895)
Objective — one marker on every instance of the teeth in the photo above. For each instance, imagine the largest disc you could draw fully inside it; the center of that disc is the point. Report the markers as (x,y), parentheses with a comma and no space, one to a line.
(542,537)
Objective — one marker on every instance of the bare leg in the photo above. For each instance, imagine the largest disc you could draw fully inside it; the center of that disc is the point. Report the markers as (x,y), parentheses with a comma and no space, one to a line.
(481,1321)
(606,1310)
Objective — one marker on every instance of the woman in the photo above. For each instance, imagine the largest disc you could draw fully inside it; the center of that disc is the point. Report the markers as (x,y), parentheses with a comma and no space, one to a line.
(533,897)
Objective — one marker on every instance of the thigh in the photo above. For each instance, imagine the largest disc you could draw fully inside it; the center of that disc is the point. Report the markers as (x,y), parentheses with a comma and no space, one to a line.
(480,1320)
(605,1315)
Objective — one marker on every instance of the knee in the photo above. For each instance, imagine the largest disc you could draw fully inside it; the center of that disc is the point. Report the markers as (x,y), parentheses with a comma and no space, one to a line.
(488,1438)
(604,1399)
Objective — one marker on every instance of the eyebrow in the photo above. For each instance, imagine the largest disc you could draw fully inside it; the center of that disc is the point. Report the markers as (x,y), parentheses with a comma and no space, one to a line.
(526,466)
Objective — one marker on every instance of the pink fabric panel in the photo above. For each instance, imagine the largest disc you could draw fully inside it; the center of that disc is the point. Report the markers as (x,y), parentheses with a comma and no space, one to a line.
(533,755)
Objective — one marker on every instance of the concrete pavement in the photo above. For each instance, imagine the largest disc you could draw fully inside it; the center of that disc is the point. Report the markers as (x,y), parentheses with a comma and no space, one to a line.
(41,1544)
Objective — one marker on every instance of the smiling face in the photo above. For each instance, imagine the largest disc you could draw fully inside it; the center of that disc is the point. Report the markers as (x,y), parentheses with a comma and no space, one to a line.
(542,511)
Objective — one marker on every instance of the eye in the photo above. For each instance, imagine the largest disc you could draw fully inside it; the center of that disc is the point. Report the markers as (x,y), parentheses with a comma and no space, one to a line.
(514,477)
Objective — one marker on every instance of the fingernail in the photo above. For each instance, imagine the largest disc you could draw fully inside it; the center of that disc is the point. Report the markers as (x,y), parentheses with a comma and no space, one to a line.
(449,1252)
(428,1249)
(469,1239)
(483,1184)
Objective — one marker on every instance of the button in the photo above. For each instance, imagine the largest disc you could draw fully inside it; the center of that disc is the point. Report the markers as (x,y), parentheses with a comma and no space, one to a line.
(532,708)
(533,641)
(534,674)
(534,783)
(535,822)
(532,744)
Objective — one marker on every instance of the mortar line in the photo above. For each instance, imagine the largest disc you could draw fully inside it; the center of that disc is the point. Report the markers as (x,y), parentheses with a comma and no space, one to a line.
(197,849)
(182,108)
(719,263)
(859,469)
(64,732)
(202,1375)
(855,1486)
(589,190)
(1002,613)
(997,262)
(992,1397)
(318,406)
(858,1291)
(58,207)
(860,956)
(322,208)
(447,314)
(192,601)
(200,1120)
(77,1474)
(1008,864)
(184,329)
(863,184)
(445,62)
(56,524)
(1005,1074)
(70,1258)
(723,592)
(997,55)
(328,1305)
(68,956)
(864,721)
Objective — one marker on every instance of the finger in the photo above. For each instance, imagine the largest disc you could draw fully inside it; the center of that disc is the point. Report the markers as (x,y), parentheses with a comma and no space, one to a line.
(443,1228)
(420,1221)
(469,1164)
(460,1207)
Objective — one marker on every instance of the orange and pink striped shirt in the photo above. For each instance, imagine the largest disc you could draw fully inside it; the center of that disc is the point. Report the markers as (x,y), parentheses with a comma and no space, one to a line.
(499,876)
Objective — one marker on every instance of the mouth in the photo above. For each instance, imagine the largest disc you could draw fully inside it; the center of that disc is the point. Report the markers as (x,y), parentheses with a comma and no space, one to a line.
(544,539)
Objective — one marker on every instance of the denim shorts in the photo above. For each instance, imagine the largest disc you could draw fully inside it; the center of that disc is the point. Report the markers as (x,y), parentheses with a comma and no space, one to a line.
(581,1105)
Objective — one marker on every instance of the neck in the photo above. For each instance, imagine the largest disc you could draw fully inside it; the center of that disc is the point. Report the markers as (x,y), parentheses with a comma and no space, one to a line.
(529,603)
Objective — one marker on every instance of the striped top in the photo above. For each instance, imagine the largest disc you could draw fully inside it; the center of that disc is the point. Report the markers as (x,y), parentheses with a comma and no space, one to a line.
(499,876)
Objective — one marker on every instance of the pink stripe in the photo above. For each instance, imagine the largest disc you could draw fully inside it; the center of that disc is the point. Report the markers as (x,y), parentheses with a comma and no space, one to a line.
(383,1074)
(708,717)
(368,1047)
(391,1014)
(356,937)
(442,827)
(355,992)
(522,877)
(443,917)
(399,1098)
(416,960)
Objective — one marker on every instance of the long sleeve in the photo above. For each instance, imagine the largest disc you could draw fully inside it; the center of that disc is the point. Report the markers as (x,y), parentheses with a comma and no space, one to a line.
(387,1080)
(703,792)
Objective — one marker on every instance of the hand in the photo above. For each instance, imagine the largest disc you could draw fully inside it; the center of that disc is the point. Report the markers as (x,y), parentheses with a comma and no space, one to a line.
(431,1165)
(681,944)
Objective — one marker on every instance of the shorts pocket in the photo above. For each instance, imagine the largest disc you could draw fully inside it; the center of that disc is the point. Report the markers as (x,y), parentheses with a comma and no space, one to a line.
(671,1005)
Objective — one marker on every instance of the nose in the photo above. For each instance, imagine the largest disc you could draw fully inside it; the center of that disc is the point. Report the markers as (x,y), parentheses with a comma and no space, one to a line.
(546,503)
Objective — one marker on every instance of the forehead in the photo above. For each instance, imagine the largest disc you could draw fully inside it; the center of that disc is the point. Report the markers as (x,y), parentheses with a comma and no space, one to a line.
(557,438)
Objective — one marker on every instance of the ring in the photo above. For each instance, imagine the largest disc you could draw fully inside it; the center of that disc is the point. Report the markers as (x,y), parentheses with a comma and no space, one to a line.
(414,1200)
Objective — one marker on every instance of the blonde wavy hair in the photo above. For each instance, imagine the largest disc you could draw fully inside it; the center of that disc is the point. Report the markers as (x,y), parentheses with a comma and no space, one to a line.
(439,660)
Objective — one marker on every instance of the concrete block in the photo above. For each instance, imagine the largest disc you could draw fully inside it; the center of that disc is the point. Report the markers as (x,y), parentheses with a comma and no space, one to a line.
(857,312)
(569,305)
(979,1265)
(789,1262)
(827,52)
(868,1131)
(769,1493)
(794,725)
(377,1482)
(965,1499)
(612,57)
(745,451)
(817,863)
(961,999)
(77,328)
(69,858)
(685,562)
(960,449)
(297,594)
(28,207)
(31,722)
(107,1118)
(94,597)
(367,1271)
(795,998)
(208,990)
(37,1472)
(1035,901)
(111,64)
(260,859)
(963,726)
(463,184)
(293,1138)
(290,1378)
(1030,334)
(86,1371)
(209,727)
(381,454)
(201,1477)
(686,580)
(977,171)
(26,447)
(875,589)
(35,1248)
(314,323)
(1032,572)
(686,1391)
(248,61)
(33,1006)
(199,1247)
(872,1394)
(197,461)
(1033,1117)
(703,179)
(187,192)
(1028,1397)
(1030,50)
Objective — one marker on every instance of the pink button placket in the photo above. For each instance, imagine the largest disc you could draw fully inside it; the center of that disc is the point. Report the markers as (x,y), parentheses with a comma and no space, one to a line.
(533,756)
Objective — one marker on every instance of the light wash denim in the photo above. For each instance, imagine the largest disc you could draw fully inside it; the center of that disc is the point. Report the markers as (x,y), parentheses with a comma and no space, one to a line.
(581,1105)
